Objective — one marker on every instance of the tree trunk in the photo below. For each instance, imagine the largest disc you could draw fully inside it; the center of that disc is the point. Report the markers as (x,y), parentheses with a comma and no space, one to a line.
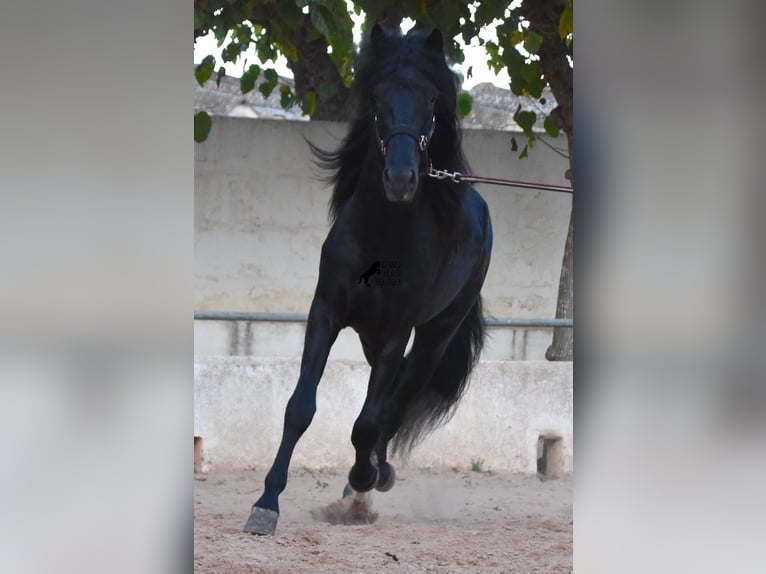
(316,72)
(543,16)
(562,347)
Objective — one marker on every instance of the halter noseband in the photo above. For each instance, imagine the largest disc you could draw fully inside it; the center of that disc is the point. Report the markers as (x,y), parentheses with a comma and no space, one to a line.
(421,139)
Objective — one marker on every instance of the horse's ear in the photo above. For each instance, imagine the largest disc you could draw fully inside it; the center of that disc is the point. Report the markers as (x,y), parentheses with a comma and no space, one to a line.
(377,36)
(435,41)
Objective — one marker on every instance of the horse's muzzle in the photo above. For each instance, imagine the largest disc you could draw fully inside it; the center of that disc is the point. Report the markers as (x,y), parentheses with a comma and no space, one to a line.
(400,184)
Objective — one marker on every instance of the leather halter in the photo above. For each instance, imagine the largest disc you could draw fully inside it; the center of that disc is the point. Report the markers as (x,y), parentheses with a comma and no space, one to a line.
(422,140)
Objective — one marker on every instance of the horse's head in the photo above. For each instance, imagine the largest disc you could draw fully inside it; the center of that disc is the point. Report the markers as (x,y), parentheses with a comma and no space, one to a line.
(404,112)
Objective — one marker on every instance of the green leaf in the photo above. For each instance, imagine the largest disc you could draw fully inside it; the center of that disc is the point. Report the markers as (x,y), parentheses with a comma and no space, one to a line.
(505,32)
(322,20)
(286,97)
(204,70)
(524,153)
(309,103)
(231,52)
(289,13)
(220,32)
(534,82)
(244,34)
(265,50)
(221,73)
(517,84)
(271,75)
(487,11)
(551,128)
(455,53)
(271,82)
(202,125)
(290,50)
(343,43)
(247,81)
(566,22)
(515,63)
(536,87)
(464,104)
(525,120)
(444,14)
(265,88)
(342,62)
(533,42)
(469,31)
(517,37)
(493,51)
(531,71)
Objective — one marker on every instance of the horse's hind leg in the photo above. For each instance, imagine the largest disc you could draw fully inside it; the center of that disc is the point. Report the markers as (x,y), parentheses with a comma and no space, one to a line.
(440,361)
(386,472)
(364,474)
(321,332)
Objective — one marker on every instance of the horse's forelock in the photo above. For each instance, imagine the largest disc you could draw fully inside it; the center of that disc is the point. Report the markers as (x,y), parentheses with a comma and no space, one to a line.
(402,53)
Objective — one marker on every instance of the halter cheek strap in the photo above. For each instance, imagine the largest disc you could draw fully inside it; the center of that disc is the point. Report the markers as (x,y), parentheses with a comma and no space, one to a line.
(421,139)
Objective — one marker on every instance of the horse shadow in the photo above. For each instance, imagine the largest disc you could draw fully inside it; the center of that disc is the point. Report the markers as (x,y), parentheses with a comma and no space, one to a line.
(373,270)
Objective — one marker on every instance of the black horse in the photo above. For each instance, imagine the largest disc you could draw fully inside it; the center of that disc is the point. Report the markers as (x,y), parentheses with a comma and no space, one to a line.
(436,234)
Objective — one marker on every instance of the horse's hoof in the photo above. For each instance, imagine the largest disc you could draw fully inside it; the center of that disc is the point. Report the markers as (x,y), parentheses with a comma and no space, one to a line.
(261,521)
(347,490)
(386,477)
(363,487)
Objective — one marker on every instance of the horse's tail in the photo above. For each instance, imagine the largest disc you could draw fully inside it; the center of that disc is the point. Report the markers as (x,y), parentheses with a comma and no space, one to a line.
(436,402)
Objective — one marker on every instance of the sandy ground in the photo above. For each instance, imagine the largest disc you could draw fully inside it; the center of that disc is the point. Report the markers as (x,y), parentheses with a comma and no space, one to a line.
(450,521)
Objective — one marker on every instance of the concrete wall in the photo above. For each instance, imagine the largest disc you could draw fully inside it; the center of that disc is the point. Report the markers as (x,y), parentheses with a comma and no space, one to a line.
(261,217)
(240,401)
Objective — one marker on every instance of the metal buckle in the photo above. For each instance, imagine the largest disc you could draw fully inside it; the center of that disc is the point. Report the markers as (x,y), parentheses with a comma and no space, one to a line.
(443,174)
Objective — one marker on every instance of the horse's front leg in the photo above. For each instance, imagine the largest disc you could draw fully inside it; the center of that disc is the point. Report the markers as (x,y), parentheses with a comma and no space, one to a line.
(363,475)
(321,330)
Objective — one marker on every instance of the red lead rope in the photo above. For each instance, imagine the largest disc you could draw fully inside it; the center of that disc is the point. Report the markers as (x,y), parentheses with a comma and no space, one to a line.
(456,176)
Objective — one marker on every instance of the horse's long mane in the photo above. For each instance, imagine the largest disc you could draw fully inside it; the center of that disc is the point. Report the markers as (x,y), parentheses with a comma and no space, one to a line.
(382,62)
